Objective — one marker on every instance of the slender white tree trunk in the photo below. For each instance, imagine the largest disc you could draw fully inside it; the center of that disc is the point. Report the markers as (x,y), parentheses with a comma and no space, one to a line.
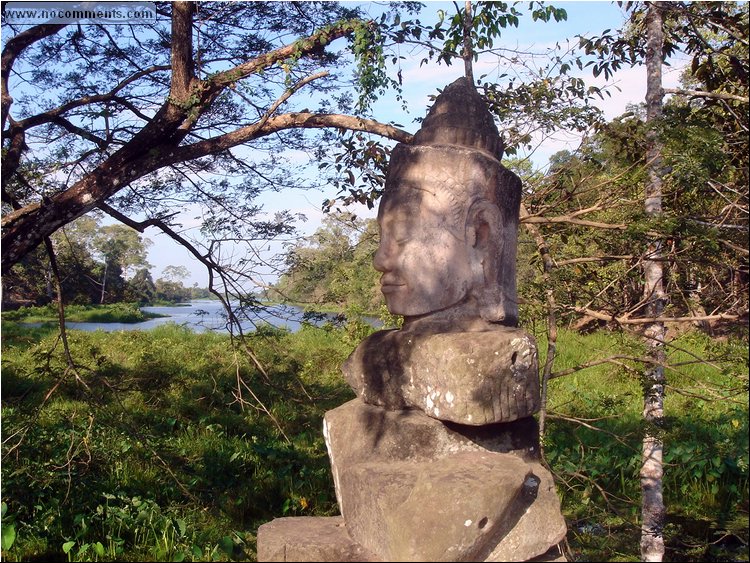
(652,501)
(468,51)
(104,281)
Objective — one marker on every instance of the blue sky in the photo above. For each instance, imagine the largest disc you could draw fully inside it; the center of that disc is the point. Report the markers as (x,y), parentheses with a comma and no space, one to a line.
(584,18)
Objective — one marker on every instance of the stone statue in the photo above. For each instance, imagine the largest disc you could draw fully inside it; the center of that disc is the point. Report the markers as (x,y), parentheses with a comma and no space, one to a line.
(449,220)
(437,459)
(448,226)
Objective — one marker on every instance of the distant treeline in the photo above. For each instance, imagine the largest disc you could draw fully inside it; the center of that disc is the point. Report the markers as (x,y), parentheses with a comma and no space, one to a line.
(96,264)
(333,267)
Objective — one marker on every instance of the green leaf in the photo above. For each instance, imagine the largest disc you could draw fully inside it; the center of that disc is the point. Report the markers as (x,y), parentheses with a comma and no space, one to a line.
(227,545)
(8,536)
(83,549)
(67,546)
(99,549)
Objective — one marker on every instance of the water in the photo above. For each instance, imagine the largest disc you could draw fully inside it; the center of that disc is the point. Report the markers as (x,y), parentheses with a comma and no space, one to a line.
(204,315)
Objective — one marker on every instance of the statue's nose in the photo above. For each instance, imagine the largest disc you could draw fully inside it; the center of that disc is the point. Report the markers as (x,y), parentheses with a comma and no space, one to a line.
(384,257)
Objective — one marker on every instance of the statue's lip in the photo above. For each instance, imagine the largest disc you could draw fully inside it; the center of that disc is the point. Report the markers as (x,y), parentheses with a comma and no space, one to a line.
(385,287)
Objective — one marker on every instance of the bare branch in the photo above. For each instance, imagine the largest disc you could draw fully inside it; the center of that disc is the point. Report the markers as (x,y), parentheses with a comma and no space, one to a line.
(647,320)
(593,259)
(569,219)
(704,94)
(280,123)
(15,47)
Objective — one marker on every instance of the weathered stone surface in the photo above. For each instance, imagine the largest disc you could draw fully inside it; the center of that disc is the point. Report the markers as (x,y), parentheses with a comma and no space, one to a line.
(553,555)
(326,539)
(356,433)
(459,116)
(453,509)
(541,526)
(448,235)
(442,463)
(465,377)
(370,438)
(449,219)
(305,538)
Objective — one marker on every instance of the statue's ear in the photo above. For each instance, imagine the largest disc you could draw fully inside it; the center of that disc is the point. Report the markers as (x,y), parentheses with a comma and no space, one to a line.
(484,230)
(484,226)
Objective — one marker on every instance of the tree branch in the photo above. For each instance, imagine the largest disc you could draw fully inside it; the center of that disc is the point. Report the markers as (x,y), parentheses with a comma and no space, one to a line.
(647,320)
(315,41)
(704,94)
(279,123)
(156,144)
(15,47)
(573,221)
(593,259)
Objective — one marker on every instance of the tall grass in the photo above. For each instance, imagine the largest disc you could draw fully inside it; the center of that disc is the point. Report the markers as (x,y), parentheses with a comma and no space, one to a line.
(174,445)
(161,454)
(594,444)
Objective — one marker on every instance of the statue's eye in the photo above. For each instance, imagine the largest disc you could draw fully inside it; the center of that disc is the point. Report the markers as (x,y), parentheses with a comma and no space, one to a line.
(401,233)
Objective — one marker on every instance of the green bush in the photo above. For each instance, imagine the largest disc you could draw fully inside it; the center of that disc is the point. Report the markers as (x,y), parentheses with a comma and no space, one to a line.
(594,439)
(110,313)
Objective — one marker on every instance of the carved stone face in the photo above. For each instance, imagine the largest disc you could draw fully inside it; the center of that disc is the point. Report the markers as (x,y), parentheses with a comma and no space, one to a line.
(448,221)
(425,261)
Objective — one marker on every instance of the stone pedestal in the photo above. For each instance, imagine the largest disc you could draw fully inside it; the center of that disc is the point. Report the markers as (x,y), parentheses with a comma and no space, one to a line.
(306,538)
(465,377)
(413,487)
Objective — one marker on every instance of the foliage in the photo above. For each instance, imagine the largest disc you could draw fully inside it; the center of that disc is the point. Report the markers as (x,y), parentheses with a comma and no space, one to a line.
(156,424)
(135,119)
(702,225)
(333,267)
(171,291)
(141,287)
(594,438)
(157,460)
(114,313)
(535,95)
(93,262)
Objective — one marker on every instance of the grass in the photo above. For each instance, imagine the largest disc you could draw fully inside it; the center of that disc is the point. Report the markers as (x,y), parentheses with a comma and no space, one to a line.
(594,446)
(162,437)
(178,447)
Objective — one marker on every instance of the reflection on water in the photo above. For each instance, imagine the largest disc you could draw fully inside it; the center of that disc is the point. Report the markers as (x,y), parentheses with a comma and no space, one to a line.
(203,315)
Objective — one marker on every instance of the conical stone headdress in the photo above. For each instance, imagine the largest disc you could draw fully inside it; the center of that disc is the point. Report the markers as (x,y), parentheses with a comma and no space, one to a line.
(459,116)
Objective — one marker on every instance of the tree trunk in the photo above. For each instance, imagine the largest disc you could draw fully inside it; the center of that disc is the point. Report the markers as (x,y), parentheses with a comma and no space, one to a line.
(468,51)
(548,265)
(104,282)
(652,500)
